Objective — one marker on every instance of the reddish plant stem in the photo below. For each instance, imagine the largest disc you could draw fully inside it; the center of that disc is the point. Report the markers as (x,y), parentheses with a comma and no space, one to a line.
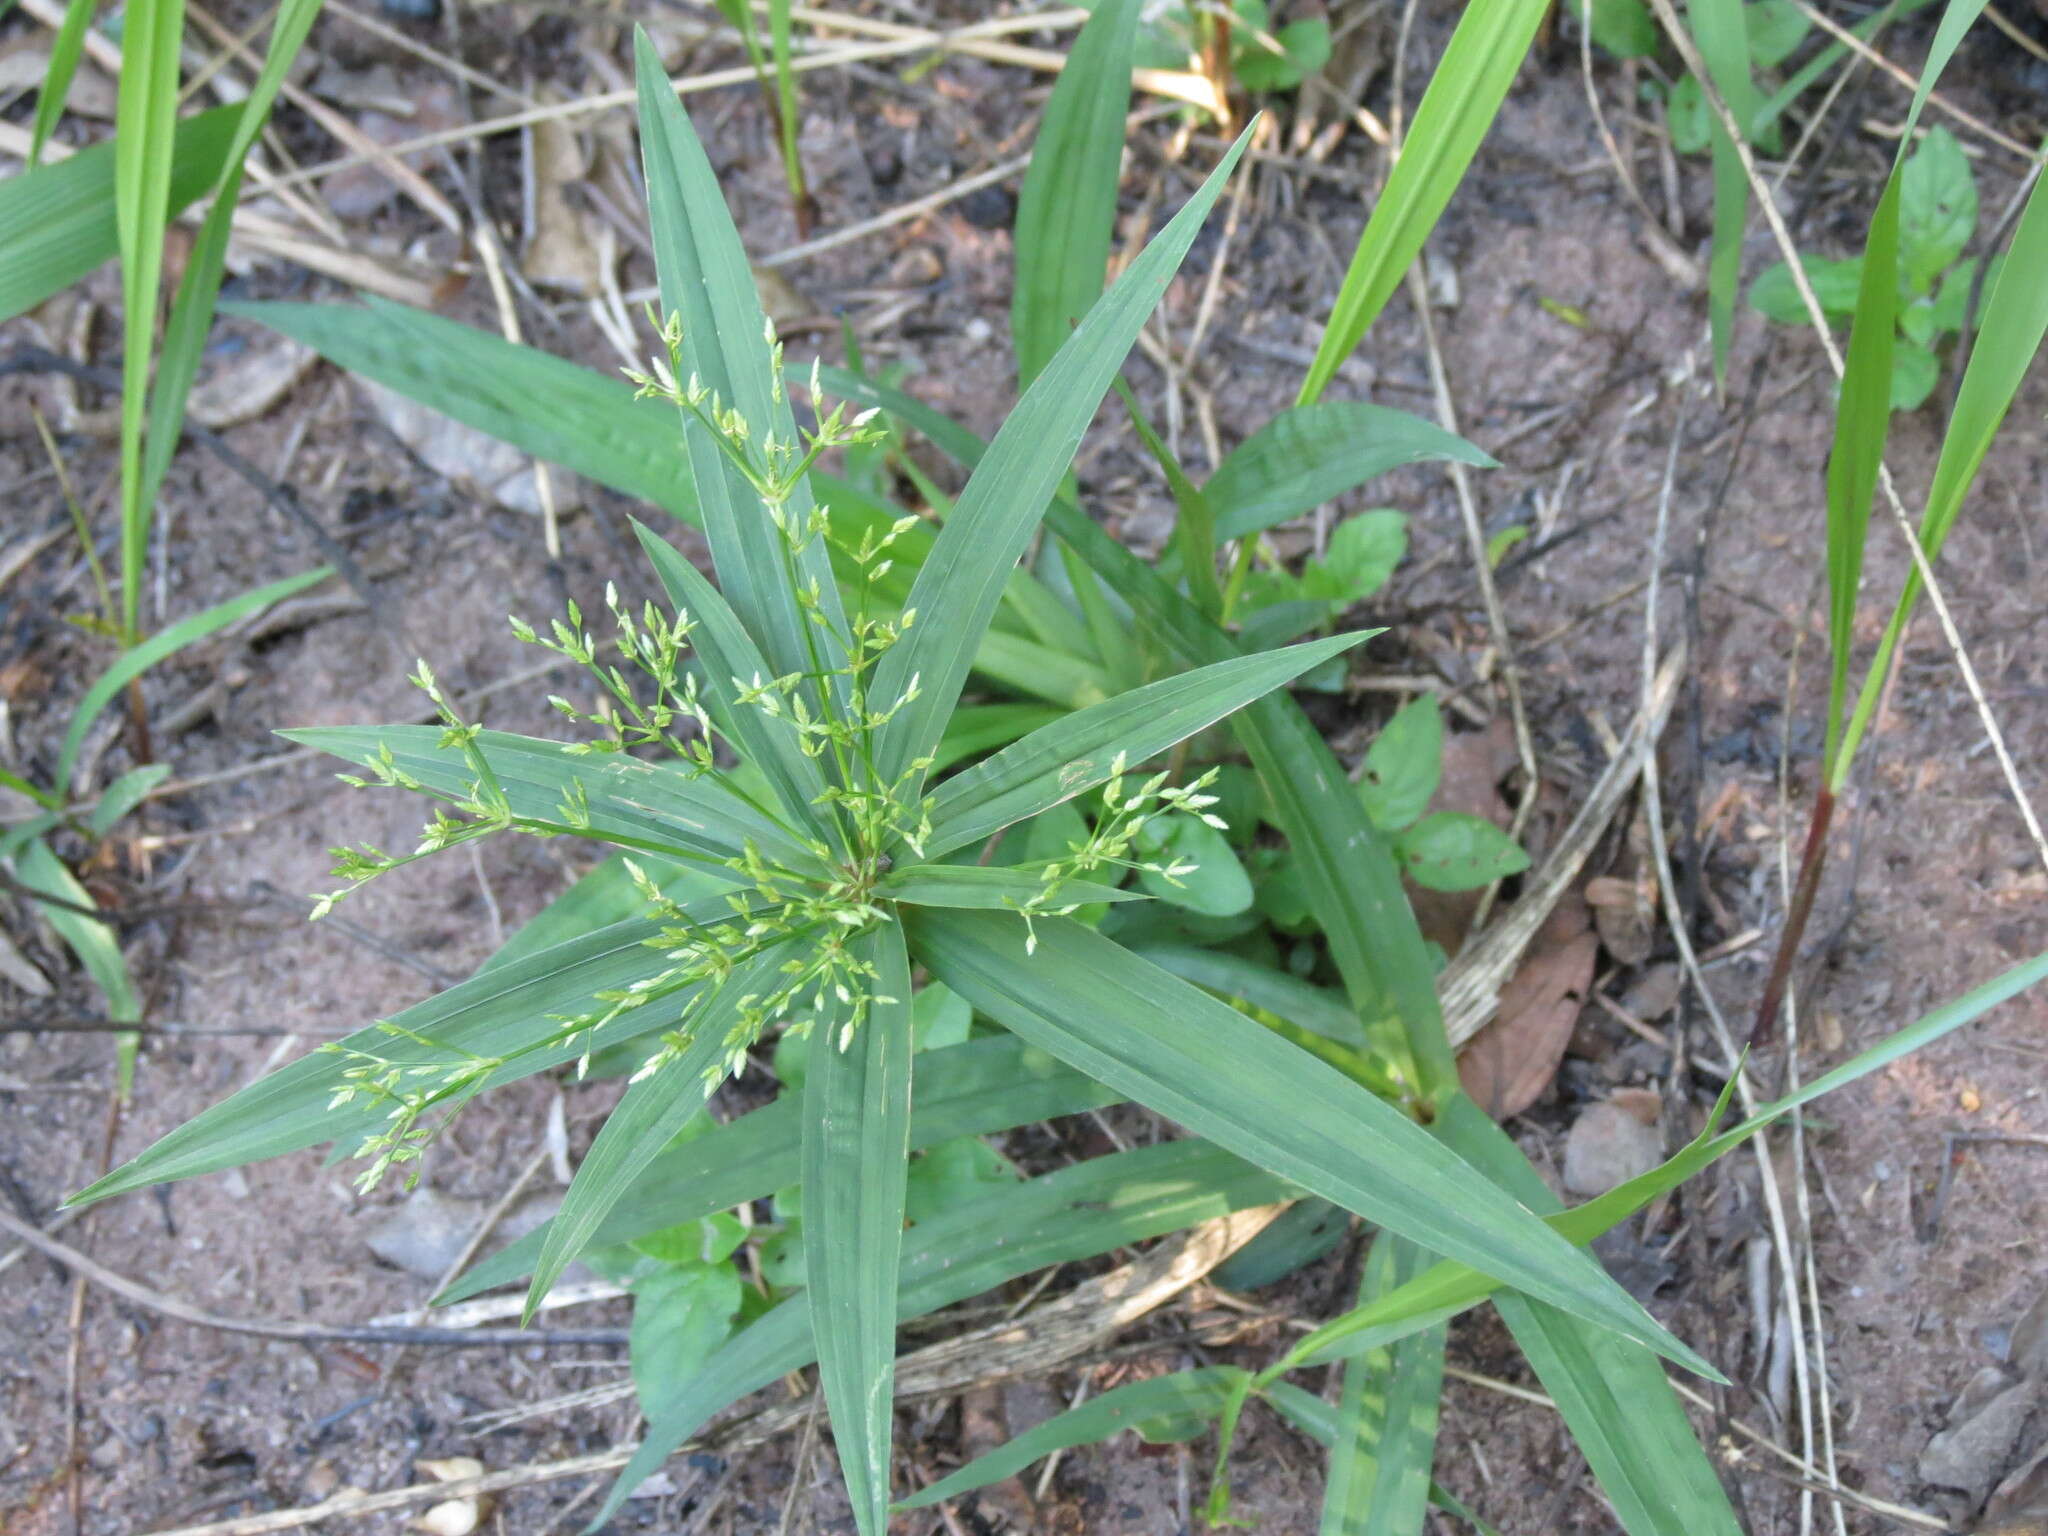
(1810,862)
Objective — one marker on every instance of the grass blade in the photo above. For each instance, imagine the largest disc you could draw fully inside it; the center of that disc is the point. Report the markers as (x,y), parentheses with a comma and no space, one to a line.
(552,409)
(963,578)
(65,51)
(1059,761)
(1067,205)
(192,312)
(655,1107)
(1183,1397)
(707,282)
(1281,993)
(58,224)
(1194,524)
(138,659)
(998,889)
(145,123)
(2015,319)
(1862,420)
(1463,97)
(1160,1041)
(649,807)
(1076,1213)
(1387,1416)
(93,941)
(855,1157)
(510,1012)
(730,661)
(974,1089)
(1310,454)
(1614,1396)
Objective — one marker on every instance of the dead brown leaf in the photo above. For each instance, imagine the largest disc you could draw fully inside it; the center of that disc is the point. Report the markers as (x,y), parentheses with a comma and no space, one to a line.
(1511,1061)
(563,252)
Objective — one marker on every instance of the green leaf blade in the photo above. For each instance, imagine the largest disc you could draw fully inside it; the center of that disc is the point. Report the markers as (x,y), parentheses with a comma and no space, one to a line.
(855,1155)
(1156,1039)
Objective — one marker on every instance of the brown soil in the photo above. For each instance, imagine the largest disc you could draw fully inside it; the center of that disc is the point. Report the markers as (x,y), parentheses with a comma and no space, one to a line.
(172,1424)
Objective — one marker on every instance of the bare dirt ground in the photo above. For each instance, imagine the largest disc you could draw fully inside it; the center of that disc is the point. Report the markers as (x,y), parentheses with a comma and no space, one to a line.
(1926,1249)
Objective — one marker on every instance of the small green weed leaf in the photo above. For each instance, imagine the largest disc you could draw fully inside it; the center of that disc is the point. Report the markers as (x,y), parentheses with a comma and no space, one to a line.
(709,1240)
(855,1150)
(1362,554)
(1067,204)
(1078,1212)
(953,1174)
(1157,1039)
(978,1088)
(681,1315)
(1776,28)
(1451,851)
(1216,886)
(1625,28)
(1460,104)
(1915,372)
(1072,755)
(1686,116)
(963,578)
(1403,765)
(138,659)
(1182,1395)
(1835,284)
(1310,454)
(1304,50)
(1937,209)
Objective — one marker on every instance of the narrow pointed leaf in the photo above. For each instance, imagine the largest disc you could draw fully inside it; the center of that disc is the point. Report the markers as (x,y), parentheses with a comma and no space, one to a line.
(963,578)
(509,1012)
(1067,205)
(707,282)
(57,224)
(1464,94)
(972,885)
(1311,454)
(1183,1395)
(66,49)
(975,1089)
(1078,1212)
(1387,1416)
(192,313)
(138,659)
(1162,1042)
(1613,1393)
(630,802)
(730,661)
(647,1118)
(855,1156)
(553,409)
(91,940)
(1070,756)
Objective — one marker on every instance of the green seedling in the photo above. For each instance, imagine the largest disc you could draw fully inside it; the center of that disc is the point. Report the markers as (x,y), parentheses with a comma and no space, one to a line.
(1937,214)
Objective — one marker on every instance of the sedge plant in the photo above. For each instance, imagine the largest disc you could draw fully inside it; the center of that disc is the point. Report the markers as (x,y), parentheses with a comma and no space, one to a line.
(806,817)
